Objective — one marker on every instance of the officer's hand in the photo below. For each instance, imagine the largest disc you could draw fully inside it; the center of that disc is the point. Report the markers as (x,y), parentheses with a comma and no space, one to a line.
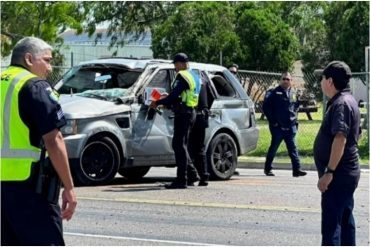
(153,105)
(164,95)
(69,203)
(324,182)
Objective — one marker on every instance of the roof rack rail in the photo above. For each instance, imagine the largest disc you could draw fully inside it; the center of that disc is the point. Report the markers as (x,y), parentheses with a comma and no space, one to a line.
(135,58)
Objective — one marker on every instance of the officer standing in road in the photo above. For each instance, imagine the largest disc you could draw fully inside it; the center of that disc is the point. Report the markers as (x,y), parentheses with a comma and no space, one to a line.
(280,107)
(336,156)
(183,100)
(198,131)
(31,118)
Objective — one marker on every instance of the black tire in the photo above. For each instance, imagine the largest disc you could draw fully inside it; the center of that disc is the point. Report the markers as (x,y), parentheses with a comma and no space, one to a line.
(98,163)
(222,157)
(134,173)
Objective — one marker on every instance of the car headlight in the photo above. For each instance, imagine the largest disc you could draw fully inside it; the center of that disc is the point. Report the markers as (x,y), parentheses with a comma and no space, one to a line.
(70,128)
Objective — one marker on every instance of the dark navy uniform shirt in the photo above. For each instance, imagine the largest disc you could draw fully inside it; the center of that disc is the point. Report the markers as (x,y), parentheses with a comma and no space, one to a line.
(342,115)
(280,107)
(39,109)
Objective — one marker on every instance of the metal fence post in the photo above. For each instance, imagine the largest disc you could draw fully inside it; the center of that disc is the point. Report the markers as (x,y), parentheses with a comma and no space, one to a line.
(71,58)
(367,65)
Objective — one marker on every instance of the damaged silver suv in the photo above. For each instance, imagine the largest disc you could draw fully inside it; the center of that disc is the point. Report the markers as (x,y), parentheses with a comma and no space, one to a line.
(110,128)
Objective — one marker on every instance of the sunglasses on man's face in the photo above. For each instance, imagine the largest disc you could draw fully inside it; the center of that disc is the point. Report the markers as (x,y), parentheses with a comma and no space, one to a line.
(286,79)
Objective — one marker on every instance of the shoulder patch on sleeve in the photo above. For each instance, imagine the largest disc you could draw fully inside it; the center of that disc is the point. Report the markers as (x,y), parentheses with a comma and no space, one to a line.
(53,95)
(268,93)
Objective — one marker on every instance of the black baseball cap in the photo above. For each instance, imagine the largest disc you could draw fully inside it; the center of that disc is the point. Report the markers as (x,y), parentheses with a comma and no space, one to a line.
(181,57)
(340,73)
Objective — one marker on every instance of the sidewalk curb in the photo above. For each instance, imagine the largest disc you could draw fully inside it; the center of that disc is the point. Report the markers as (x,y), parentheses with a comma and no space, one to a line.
(277,166)
(281,166)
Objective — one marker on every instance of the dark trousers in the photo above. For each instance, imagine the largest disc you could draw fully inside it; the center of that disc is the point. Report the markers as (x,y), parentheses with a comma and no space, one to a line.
(182,124)
(27,218)
(197,148)
(277,136)
(337,222)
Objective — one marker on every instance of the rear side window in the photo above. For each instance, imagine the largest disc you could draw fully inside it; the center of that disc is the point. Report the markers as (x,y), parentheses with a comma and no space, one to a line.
(223,87)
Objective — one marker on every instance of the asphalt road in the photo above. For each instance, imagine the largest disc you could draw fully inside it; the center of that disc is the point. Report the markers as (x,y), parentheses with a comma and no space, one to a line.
(250,209)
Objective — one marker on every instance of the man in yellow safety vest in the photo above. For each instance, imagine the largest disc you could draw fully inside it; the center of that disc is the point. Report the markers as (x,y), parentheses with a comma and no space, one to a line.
(31,118)
(183,100)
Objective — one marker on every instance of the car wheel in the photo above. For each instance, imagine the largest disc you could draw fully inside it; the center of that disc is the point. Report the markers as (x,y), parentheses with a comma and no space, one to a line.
(134,173)
(99,162)
(222,157)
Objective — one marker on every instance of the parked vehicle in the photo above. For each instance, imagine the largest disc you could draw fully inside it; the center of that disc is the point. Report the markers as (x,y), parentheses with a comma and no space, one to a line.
(111,129)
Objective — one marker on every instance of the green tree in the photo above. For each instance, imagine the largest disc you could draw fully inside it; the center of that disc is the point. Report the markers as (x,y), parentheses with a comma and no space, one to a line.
(45,20)
(267,42)
(347,26)
(202,30)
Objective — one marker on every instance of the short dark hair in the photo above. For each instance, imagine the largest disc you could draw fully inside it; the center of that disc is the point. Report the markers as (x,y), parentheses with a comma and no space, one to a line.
(339,72)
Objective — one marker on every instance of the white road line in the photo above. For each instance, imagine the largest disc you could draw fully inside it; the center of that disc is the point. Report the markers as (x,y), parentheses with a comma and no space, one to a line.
(137,239)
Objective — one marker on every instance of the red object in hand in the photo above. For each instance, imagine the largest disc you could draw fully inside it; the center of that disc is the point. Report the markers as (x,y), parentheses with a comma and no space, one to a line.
(155,95)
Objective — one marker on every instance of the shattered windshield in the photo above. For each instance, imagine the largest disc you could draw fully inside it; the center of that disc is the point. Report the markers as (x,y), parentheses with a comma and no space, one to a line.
(98,77)
(105,94)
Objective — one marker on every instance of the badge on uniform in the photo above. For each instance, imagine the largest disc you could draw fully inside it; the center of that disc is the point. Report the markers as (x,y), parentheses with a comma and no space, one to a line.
(293,97)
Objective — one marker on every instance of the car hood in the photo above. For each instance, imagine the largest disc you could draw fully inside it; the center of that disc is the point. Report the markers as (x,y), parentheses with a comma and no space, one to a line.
(77,107)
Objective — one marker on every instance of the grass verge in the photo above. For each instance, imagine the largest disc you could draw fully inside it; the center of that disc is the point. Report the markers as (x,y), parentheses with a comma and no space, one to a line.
(305,138)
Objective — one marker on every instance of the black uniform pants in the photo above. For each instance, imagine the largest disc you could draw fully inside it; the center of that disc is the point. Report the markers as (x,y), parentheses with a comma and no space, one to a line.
(197,148)
(277,136)
(183,122)
(27,218)
(337,222)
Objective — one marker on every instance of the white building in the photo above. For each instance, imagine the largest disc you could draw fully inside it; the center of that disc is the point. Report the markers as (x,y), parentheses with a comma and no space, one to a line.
(78,48)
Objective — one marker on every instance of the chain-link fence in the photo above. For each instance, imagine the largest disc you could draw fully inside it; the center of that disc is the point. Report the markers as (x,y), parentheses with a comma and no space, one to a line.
(310,115)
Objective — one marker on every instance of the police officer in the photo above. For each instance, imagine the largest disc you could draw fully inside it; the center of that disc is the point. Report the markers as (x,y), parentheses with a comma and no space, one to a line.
(183,99)
(198,131)
(280,107)
(31,116)
(336,157)
(234,68)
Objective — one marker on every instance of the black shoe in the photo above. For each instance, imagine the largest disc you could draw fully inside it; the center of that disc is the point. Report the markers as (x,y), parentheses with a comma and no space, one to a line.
(269,173)
(191,181)
(203,183)
(299,173)
(236,173)
(175,185)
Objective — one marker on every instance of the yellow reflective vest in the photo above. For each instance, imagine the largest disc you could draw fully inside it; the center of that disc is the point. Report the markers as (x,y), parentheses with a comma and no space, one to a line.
(190,97)
(17,153)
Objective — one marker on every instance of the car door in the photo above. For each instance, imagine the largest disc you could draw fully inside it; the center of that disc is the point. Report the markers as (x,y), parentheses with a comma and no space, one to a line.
(151,141)
(234,110)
